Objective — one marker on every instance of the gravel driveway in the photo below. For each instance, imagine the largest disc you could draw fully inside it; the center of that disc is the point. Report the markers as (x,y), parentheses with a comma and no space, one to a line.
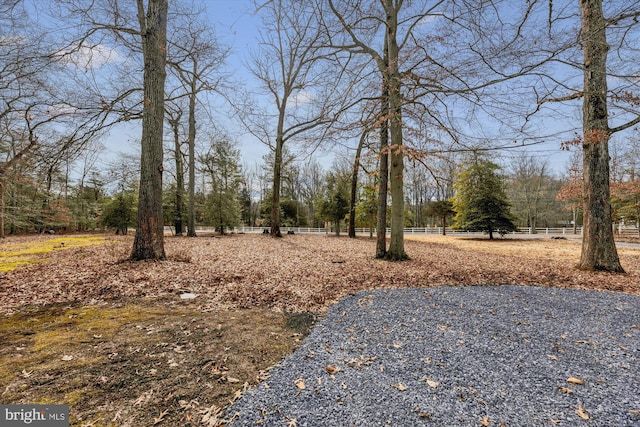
(460,356)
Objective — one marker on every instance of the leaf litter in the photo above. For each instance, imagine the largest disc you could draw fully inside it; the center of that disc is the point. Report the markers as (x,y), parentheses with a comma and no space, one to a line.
(207,298)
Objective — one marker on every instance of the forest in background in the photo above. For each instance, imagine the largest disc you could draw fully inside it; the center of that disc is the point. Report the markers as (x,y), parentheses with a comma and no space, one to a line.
(400,94)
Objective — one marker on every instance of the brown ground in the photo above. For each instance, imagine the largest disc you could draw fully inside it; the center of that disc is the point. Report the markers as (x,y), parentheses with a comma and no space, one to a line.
(114,340)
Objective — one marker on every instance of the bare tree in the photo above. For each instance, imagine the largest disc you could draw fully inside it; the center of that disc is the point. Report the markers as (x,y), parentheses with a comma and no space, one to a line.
(195,56)
(140,29)
(559,52)
(288,66)
(35,101)
(598,246)
(173,118)
(528,176)
(149,238)
(605,56)
(387,62)
(570,192)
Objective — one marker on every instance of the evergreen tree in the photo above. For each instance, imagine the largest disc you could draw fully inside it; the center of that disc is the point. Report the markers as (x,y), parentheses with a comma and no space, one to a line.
(222,205)
(335,201)
(367,208)
(480,201)
(120,212)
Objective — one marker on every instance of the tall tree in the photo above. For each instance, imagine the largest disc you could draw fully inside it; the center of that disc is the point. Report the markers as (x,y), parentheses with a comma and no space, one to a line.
(173,118)
(598,245)
(139,29)
(355,172)
(195,57)
(149,238)
(383,168)
(291,66)
(387,60)
(592,61)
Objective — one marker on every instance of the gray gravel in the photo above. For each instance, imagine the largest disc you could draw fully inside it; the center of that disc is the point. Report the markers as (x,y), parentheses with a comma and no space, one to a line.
(460,356)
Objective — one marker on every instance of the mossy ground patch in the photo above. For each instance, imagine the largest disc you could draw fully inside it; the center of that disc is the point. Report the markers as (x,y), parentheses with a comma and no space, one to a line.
(14,255)
(124,363)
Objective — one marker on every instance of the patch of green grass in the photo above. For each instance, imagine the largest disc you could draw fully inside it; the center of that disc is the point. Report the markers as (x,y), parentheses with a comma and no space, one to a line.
(16,255)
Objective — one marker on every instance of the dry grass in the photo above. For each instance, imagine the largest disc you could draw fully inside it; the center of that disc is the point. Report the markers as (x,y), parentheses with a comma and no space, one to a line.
(533,248)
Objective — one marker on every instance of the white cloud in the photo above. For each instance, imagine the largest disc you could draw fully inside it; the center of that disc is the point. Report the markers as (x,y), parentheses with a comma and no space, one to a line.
(428,19)
(302,97)
(90,57)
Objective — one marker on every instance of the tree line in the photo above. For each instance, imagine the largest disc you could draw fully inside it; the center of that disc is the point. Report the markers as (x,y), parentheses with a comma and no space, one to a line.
(391,83)
(229,193)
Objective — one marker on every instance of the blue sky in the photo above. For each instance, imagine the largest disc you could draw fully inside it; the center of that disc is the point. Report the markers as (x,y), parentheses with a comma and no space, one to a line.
(237,27)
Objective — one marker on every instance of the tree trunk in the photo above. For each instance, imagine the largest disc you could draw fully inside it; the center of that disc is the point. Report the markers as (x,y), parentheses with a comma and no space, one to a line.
(149,239)
(396,171)
(354,186)
(191,219)
(179,196)
(275,200)
(383,178)
(1,204)
(598,245)
(444,225)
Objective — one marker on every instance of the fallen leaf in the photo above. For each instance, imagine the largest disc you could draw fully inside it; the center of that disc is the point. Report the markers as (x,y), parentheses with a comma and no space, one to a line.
(399,386)
(556,421)
(565,390)
(300,384)
(332,369)
(211,416)
(485,421)
(232,380)
(430,382)
(67,357)
(575,380)
(160,417)
(582,413)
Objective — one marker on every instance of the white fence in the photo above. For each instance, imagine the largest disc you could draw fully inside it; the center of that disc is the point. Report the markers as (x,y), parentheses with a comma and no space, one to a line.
(411,230)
